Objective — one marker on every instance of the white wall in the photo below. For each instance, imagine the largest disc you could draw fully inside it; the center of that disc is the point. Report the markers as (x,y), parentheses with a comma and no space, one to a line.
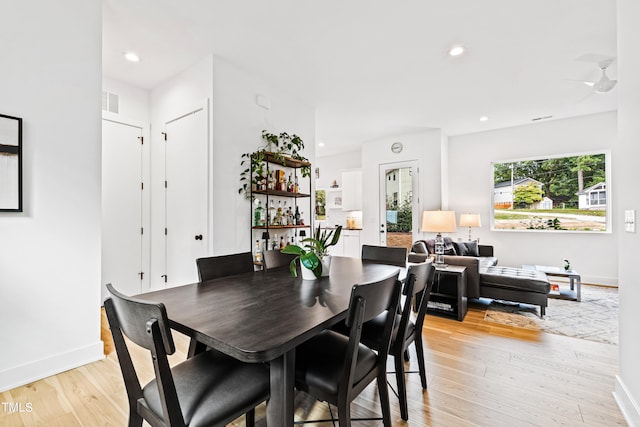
(426,148)
(331,167)
(470,185)
(133,101)
(237,125)
(50,253)
(627,175)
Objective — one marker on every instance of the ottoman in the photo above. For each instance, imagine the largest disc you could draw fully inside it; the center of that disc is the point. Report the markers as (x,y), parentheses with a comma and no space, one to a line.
(515,284)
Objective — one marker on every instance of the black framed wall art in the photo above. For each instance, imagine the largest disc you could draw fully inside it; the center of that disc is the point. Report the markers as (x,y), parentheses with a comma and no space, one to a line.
(10,164)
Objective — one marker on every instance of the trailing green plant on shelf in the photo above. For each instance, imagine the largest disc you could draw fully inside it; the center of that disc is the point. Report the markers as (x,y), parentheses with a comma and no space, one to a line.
(315,248)
(280,147)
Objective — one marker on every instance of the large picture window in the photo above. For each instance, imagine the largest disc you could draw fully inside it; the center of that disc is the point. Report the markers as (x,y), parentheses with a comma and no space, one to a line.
(562,193)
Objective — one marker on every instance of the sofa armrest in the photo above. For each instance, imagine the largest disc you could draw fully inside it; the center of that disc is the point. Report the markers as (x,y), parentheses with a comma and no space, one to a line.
(417,257)
(472,272)
(485,250)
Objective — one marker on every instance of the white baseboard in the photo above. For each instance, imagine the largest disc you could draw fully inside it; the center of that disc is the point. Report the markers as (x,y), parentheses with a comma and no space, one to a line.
(626,402)
(52,365)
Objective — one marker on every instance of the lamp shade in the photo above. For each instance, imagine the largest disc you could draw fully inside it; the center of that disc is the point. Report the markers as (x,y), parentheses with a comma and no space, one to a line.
(265,235)
(439,221)
(470,220)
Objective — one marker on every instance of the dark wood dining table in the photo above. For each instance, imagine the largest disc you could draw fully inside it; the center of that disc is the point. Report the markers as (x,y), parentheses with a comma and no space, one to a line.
(263,316)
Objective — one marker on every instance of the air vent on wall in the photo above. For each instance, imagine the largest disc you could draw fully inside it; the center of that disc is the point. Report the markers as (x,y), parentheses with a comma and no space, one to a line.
(535,119)
(109,102)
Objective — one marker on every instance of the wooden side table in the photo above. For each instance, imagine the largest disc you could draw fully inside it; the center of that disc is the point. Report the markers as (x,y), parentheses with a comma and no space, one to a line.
(447,300)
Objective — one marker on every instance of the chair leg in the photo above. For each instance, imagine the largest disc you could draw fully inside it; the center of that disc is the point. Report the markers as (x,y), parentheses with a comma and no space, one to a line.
(402,387)
(344,413)
(406,355)
(135,420)
(250,418)
(195,347)
(384,397)
(421,364)
(542,312)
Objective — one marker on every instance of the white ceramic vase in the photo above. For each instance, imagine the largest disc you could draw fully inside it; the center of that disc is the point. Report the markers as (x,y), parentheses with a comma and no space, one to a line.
(307,274)
(326,267)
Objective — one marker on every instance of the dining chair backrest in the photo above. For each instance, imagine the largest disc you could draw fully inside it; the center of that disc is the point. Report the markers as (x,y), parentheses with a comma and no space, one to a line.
(392,255)
(210,268)
(275,259)
(377,297)
(417,289)
(422,289)
(147,325)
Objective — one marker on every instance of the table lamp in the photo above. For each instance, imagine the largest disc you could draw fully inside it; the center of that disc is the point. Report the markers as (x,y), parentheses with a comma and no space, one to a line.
(470,220)
(439,222)
(265,237)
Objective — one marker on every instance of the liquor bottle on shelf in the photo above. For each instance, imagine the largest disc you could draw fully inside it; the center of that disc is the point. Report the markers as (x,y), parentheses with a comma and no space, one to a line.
(296,220)
(271,213)
(296,187)
(282,242)
(270,182)
(257,255)
(289,216)
(257,215)
(274,242)
(290,184)
(278,219)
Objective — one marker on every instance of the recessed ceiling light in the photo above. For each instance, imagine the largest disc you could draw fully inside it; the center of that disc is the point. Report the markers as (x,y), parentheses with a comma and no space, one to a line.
(132,56)
(320,144)
(456,50)
(484,118)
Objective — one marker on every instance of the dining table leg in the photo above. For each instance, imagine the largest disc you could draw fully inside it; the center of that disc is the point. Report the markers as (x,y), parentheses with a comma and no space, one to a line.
(280,403)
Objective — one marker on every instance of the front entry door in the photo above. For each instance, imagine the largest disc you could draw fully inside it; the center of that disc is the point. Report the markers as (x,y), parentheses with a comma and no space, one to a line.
(398,203)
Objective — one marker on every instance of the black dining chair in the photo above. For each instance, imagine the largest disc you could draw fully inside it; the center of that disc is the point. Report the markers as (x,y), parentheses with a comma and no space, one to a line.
(392,255)
(210,268)
(214,267)
(418,284)
(275,259)
(335,368)
(210,389)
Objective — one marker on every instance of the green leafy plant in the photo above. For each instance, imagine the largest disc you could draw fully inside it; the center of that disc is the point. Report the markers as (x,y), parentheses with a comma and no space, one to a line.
(315,248)
(281,147)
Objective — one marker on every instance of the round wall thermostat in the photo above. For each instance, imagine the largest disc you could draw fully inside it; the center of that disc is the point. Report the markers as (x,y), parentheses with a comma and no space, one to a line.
(396,147)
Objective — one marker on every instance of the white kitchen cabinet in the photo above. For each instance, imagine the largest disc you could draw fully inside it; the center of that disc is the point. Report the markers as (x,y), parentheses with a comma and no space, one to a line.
(352,190)
(351,243)
(338,248)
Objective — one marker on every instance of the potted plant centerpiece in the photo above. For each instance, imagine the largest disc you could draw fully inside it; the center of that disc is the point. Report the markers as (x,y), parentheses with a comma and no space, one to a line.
(315,260)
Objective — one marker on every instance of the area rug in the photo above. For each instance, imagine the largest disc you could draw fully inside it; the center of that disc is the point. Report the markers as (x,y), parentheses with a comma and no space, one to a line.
(595,318)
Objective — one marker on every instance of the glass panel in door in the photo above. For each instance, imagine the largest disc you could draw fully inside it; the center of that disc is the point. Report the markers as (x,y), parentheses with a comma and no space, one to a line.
(399,201)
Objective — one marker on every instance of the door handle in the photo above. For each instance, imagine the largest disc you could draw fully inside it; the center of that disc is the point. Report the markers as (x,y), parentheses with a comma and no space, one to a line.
(199,237)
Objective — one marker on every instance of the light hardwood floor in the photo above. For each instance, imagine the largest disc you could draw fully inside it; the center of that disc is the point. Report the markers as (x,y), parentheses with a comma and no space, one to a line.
(479,374)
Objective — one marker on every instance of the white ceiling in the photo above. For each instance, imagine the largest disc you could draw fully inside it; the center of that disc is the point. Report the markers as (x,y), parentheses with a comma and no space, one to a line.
(375,68)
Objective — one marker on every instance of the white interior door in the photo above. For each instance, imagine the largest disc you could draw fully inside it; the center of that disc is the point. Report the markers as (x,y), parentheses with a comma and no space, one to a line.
(399,201)
(186,196)
(122,208)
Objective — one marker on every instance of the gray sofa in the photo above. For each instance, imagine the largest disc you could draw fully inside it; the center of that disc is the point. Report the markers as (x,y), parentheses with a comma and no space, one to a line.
(422,249)
(484,278)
